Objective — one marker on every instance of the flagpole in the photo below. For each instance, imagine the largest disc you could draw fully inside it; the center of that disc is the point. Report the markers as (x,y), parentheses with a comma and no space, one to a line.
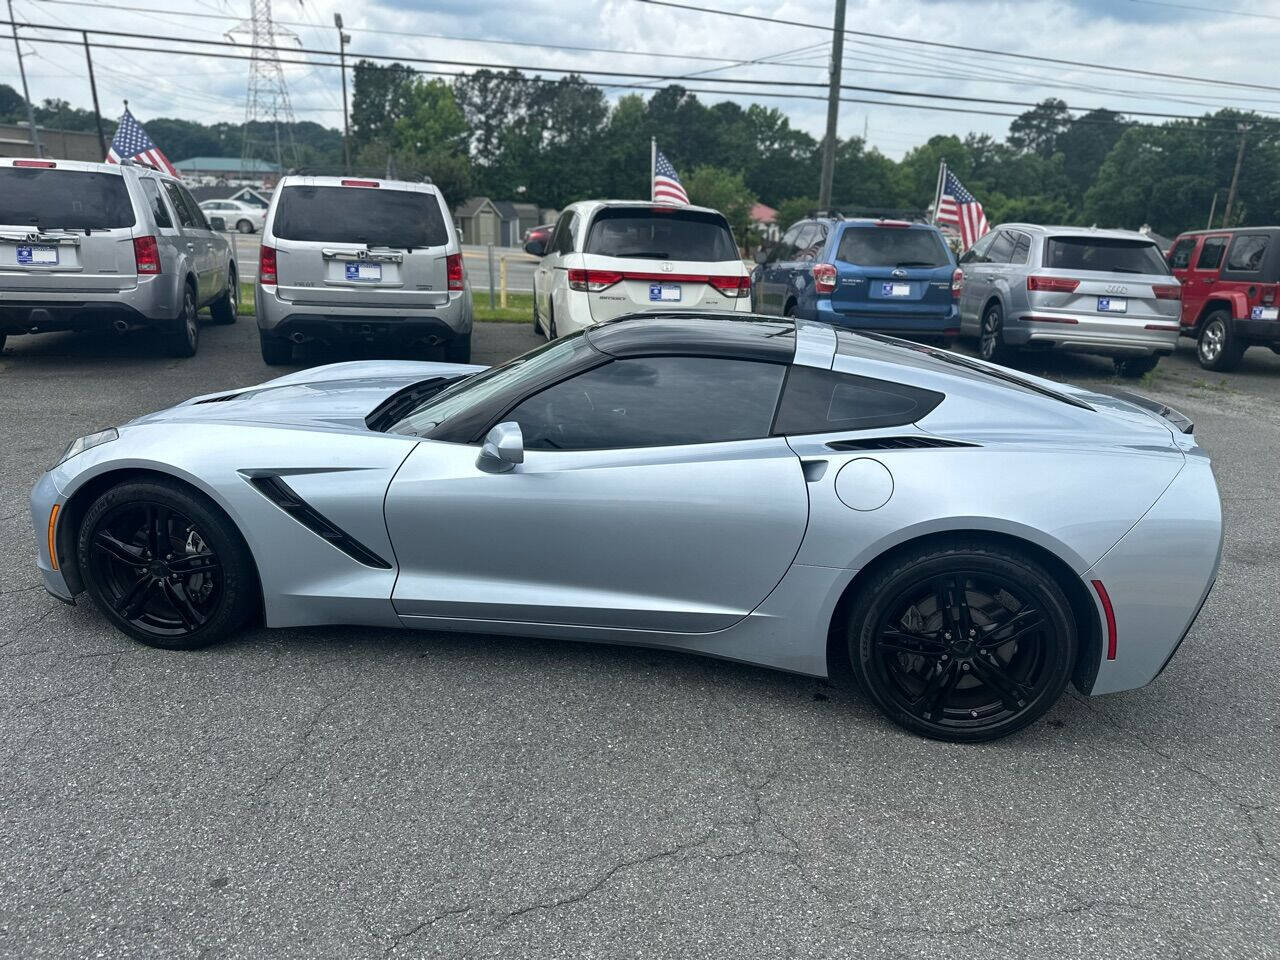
(653,165)
(937,193)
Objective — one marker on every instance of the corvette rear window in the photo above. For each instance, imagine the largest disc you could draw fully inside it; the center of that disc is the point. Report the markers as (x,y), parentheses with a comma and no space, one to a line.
(75,199)
(661,234)
(374,216)
(822,401)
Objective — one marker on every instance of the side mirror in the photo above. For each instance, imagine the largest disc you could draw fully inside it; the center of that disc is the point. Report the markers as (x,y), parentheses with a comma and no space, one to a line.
(217,222)
(503,449)
(536,247)
(761,255)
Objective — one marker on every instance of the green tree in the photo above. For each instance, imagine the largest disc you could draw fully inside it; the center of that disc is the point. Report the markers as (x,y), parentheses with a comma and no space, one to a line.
(378,98)
(794,209)
(12,106)
(725,191)
(1037,130)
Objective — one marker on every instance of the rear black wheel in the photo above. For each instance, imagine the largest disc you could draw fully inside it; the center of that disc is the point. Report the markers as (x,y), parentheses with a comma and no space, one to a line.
(963,642)
(183,338)
(165,565)
(458,349)
(551,323)
(275,351)
(1217,347)
(1136,366)
(3,338)
(223,310)
(991,345)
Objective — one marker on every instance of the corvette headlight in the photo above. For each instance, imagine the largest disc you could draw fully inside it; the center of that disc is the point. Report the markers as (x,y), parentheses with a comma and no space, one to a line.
(86,443)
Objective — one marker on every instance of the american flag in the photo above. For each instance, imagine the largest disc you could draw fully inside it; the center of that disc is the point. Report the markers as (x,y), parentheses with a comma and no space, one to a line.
(958,207)
(132,143)
(666,185)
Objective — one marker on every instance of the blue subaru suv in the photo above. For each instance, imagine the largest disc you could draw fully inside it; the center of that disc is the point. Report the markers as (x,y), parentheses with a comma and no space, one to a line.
(884,275)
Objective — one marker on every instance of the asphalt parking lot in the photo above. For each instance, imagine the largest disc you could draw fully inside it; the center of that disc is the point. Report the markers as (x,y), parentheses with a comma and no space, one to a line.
(360,793)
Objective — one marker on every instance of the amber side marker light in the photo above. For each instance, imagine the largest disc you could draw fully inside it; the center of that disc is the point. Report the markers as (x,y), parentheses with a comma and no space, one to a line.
(53,528)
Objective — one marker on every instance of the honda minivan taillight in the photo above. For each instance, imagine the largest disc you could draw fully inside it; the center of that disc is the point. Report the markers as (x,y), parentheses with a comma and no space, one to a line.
(453,268)
(593,281)
(146,254)
(824,277)
(267,265)
(736,287)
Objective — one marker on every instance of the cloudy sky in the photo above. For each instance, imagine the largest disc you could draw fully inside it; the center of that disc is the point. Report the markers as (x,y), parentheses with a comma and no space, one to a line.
(1164,36)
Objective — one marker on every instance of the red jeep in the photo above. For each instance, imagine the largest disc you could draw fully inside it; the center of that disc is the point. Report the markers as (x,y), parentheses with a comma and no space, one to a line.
(1229,282)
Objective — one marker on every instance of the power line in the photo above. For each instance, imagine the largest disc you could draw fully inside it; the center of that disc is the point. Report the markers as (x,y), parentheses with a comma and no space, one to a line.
(1192,6)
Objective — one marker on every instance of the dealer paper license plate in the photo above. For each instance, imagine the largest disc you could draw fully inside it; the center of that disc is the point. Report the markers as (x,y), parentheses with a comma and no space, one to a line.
(364,271)
(38,256)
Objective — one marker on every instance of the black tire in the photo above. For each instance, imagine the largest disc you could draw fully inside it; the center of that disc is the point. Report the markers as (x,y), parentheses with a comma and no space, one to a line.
(1135,367)
(458,350)
(275,351)
(789,310)
(552,333)
(1217,346)
(183,338)
(3,338)
(991,345)
(538,328)
(944,666)
(166,566)
(223,310)
(245,226)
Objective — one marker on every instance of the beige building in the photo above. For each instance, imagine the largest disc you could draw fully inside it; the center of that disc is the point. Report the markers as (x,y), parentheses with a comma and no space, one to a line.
(15,141)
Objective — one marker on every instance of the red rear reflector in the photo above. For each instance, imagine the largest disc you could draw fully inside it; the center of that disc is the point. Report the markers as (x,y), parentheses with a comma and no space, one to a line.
(1052,284)
(893,223)
(360,183)
(266,265)
(957,283)
(1167,291)
(1110,614)
(1269,296)
(1033,318)
(731,286)
(146,254)
(1161,326)
(824,277)
(456,274)
(593,281)
(43,164)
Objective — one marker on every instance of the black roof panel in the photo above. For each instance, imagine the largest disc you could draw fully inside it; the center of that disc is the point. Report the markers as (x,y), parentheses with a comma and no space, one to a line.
(734,335)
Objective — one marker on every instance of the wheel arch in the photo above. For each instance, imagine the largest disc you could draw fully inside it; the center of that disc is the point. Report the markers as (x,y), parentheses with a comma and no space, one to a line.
(1233,303)
(1083,606)
(992,301)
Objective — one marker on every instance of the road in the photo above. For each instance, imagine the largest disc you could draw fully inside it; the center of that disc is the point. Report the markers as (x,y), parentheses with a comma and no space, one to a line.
(519,264)
(362,793)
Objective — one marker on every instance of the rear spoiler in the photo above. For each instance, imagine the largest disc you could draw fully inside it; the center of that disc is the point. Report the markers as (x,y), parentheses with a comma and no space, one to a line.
(1180,421)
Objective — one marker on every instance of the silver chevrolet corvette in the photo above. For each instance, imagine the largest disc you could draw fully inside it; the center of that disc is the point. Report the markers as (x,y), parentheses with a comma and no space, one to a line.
(964,540)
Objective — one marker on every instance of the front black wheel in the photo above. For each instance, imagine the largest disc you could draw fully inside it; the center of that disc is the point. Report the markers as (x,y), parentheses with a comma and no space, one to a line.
(165,565)
(963,642)
(244,226)
(991,345)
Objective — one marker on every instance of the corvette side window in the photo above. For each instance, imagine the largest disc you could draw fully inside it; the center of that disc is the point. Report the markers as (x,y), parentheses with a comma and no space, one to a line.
(653,402)
(823,401)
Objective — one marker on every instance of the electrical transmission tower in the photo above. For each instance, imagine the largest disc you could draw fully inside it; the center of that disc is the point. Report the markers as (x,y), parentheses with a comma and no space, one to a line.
(267,104)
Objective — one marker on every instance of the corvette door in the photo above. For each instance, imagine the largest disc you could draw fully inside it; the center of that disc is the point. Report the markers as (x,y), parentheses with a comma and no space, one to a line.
(660,534)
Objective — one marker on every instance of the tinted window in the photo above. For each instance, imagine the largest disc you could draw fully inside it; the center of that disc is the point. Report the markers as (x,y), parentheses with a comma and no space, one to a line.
(1180,255)
(653,401)
(1001,248)
(821,401)
(1021,247)
(373,216)
(1247,253)
(64,198)
(1105,254)
(978,252)
(1211,253)
(196,213)
(785,248)
(661,234)
(158,209)
(185,216)
(891,247)
(564,233)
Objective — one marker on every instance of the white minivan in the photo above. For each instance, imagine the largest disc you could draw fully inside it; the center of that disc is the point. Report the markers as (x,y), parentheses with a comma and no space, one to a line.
(608,258)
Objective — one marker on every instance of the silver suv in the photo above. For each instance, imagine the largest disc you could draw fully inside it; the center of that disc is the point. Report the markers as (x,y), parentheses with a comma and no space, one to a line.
(347,260)
(88,246)
(1107,292)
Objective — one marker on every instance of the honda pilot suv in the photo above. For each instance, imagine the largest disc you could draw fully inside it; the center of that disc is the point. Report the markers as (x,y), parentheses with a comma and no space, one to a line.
(884,275)
(93,246)
(1230,280)
(348,260)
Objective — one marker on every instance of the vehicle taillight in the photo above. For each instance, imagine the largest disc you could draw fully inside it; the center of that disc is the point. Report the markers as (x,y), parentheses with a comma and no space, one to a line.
(360,183)
(957,283)
(1052,284)
(146,254)
(732,286)
(454,269)
(1167,291)
(593,281)
(824,277)
(896,224)
(1269,296)
(266,264)
(43,164)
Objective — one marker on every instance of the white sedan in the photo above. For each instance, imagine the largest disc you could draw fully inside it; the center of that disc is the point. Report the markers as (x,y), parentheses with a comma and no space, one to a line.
(607,258)
(237,215)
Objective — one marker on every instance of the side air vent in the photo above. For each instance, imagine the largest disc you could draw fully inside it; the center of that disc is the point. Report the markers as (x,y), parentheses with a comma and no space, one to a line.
(897,443)
(284,497)
(222,399)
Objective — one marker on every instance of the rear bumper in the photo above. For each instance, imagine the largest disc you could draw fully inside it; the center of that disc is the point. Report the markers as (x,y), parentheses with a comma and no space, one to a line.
(153,300)
(886,322)
(283,318)
(1259,331)
(1087,334)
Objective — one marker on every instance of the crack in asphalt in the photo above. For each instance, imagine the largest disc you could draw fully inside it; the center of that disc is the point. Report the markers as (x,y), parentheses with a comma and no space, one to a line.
(398,940)
(300,748)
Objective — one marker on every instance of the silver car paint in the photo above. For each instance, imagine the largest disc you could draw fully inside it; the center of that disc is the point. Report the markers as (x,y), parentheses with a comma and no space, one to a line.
(1088,331)
(747,558)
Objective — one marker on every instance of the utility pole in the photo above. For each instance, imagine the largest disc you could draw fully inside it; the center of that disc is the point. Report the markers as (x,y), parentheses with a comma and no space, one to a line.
(1235,174)
(343,40)
(26,94)
(833,109)
(93,88)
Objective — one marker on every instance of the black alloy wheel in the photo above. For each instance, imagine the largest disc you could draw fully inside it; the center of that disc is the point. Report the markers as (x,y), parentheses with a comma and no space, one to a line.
(964,644)
(164,566)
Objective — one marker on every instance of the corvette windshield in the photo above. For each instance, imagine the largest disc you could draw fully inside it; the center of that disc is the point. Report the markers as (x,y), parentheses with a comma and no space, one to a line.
(463,396)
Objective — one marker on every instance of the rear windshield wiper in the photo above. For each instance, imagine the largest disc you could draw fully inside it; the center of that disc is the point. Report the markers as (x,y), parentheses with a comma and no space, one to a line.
(643,254)
(917,263)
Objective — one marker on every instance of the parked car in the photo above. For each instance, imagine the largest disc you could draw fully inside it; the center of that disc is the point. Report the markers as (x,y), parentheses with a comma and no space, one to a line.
(346,260)
(542,232)
(1230,280)
(783,494)
(236,214)
(93,246)
(886,275)
(1106,292)
(607,258)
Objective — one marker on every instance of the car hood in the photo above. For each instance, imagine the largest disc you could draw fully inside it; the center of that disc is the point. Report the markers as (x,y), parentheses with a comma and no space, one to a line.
(339,395)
